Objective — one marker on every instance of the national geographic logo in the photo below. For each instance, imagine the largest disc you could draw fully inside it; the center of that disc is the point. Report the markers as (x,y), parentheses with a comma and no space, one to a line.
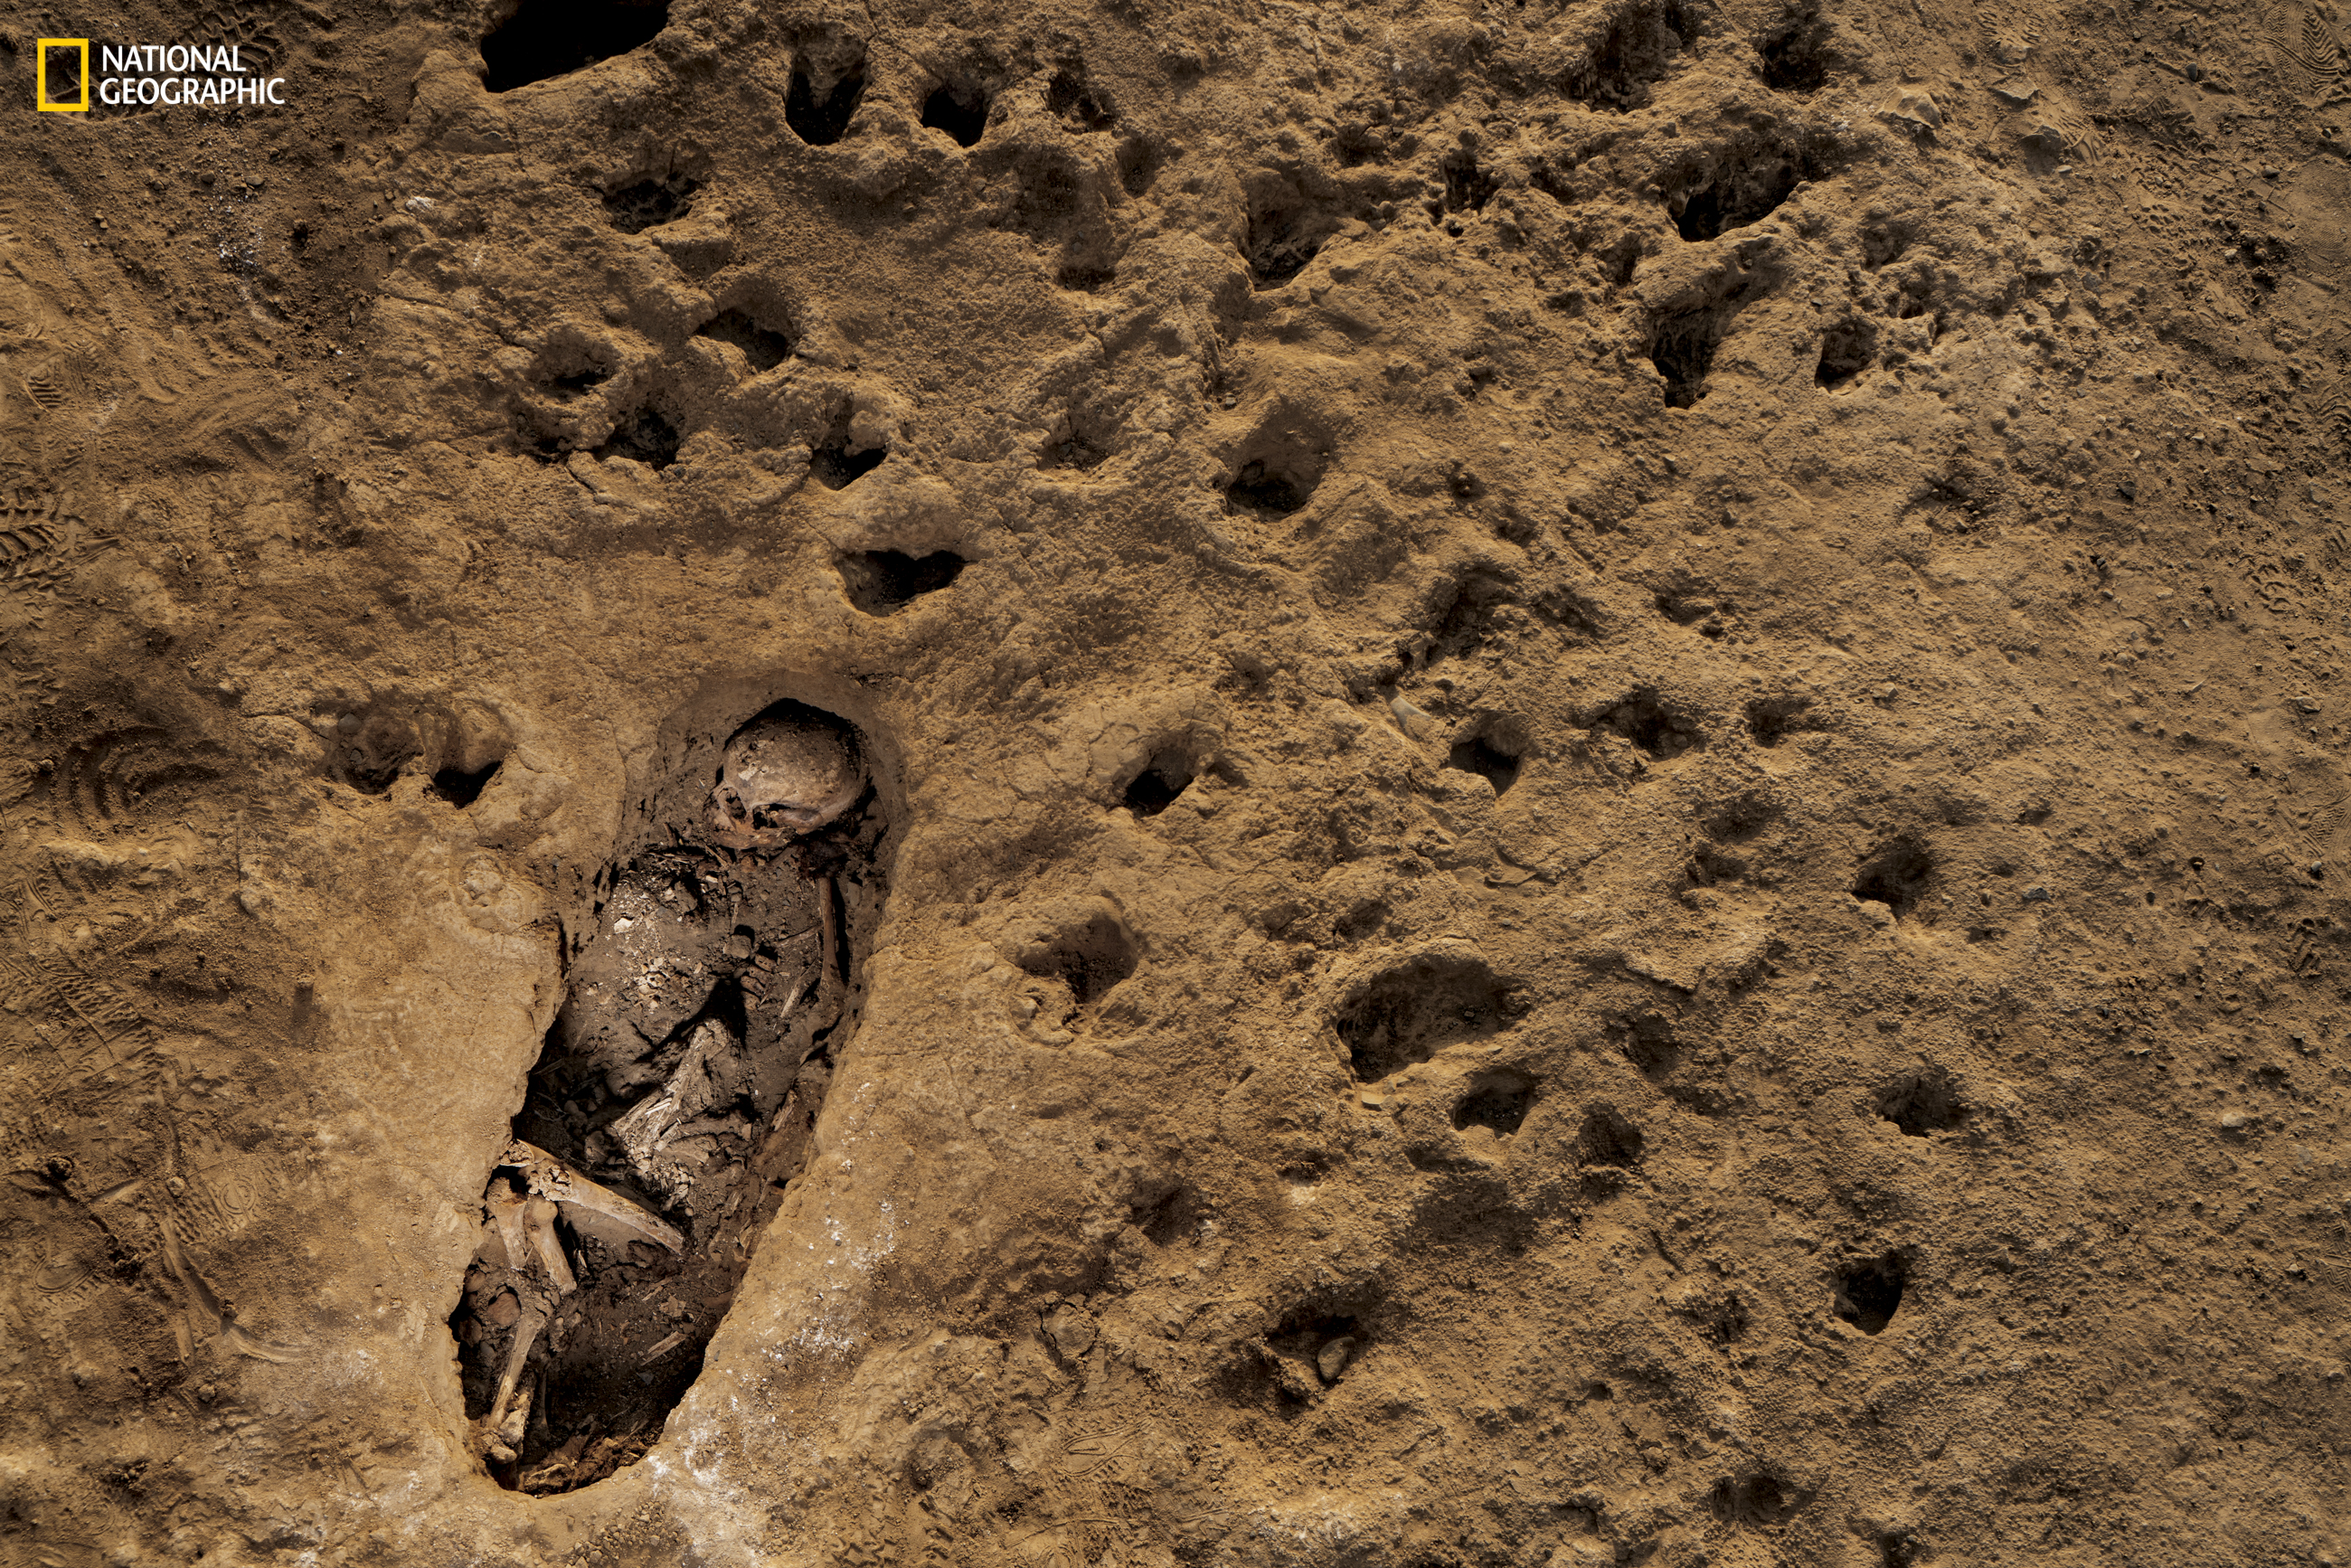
(198,76)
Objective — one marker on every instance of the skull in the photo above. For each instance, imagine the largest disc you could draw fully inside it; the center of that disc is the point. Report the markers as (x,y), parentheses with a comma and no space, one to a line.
(788,771)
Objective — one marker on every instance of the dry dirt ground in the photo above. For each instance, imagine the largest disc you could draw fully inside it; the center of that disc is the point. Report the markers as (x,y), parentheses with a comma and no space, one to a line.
(1607,815)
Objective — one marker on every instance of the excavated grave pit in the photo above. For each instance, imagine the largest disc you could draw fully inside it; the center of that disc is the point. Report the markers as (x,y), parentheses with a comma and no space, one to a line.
(683,1076)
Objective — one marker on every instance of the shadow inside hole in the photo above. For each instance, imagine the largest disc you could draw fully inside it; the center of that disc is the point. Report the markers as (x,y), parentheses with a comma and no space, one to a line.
(1643,718)
(1068,98)
(1282,240)
(1480,756)
(821,121)
(1266,491)
(1755,1500)
(1410,1012)
(460,787)
(1499,1103)
(1743,184)
(1921,1103)
(1089,958)
(1869,1293)
(646,435)
(546,38)
(1681,346)
(1790,53)
(1467,185)
(1167,775)
(577,384)
(1608,1140)
(1640,47)
(960,110)
(1846,351)
(763,347)
(649,204)
(835,465)
(1771,720)
(880,582)
(1896,876)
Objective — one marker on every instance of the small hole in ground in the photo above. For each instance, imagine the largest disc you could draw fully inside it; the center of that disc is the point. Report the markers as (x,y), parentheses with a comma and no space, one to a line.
(1409,1013)
(1757,1500)
(1169,775)
(1681,346)
(1896,876)
(1500,1102)
(1792,51)
(1869,1292)
(822,121)
(647,436)
(1069,97)
(882,581)
(1921,1102)
(1267,492)
(1480,756)
(960,110)
(1608,1139)
(461,788)
(649,204)
(835,465)
(763,346)
(547,38)
(1846,349)
(1643,718)
(1089,958)
(1771,720)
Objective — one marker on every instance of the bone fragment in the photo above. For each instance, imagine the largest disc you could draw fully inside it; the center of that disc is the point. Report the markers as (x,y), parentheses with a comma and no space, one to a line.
(551,1177)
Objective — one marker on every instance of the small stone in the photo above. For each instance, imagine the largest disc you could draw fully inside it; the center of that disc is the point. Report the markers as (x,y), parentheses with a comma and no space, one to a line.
(2015,91)
(1912,106)
(2235,1122)
(1334,1358)
(1876,913)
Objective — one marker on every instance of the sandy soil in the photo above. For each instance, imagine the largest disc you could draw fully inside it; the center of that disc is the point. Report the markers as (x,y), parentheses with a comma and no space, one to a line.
(1604,817)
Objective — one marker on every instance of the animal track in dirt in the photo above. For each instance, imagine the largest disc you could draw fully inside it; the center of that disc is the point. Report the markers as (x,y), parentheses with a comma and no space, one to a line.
(1921,1102)
(883,581)
(1407,1014)
(1897,875)
(675,1095)
(1309,1350)
(545,38)
(821,119)
(1869,1292)
(1496,1101)
(763,345)
(648,204)
(369,746)
(959,109)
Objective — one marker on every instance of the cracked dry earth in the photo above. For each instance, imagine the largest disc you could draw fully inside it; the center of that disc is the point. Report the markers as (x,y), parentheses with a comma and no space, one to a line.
(1594,807)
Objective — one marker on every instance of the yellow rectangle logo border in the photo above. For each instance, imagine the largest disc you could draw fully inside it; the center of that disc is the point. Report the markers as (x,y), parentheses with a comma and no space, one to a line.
(41,75)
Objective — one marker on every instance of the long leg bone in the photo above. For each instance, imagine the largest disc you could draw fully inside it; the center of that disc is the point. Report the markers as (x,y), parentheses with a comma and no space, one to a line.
(550,1178)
